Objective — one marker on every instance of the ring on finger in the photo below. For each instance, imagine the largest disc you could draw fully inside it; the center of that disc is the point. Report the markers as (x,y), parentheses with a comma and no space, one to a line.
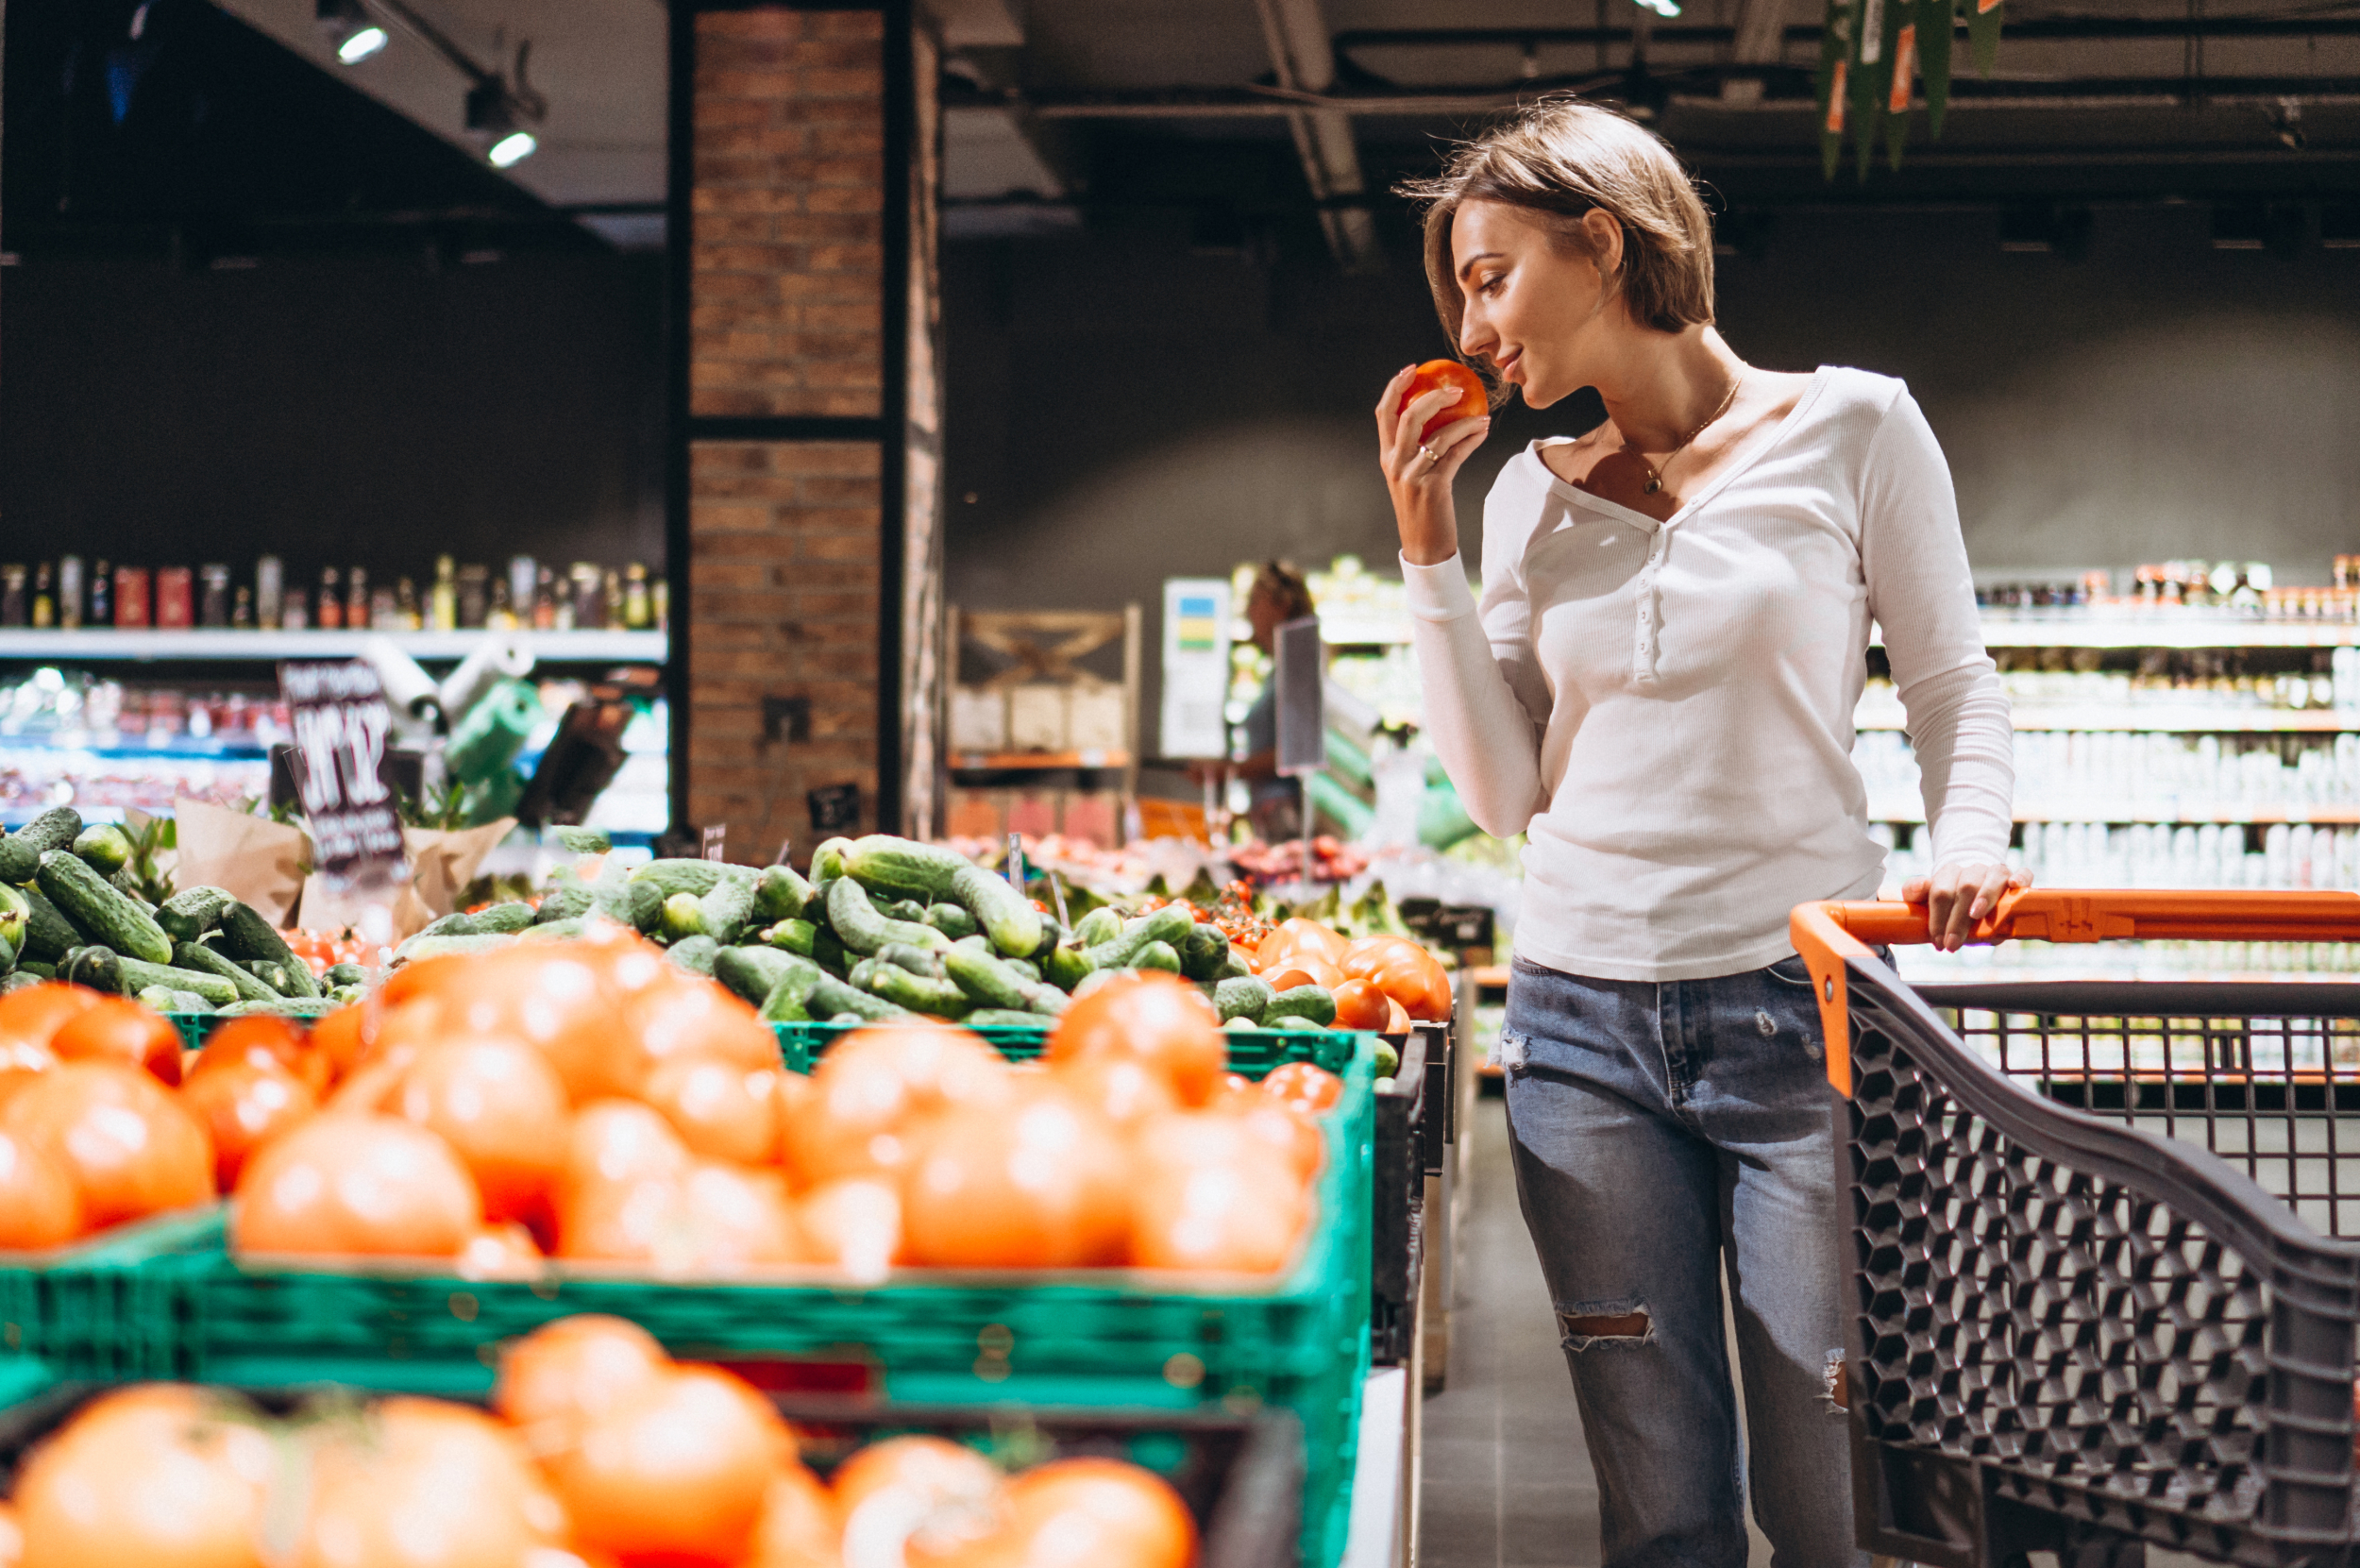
(1432,457)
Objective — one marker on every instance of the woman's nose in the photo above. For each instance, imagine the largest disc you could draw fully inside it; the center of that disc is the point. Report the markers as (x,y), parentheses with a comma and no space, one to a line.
(1475,335)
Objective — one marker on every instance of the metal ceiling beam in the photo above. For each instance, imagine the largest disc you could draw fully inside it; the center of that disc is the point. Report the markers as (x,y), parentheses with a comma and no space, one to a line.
(1760,39)
(1304,58)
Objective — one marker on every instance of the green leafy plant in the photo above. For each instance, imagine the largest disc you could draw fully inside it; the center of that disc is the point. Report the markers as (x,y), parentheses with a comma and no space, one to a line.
(140,874)
(1872,56)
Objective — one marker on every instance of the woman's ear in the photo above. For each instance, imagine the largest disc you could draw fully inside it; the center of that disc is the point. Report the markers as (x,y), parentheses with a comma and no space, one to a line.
(1605,238)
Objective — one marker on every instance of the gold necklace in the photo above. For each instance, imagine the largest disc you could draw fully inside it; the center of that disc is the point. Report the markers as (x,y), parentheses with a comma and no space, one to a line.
(1655,473)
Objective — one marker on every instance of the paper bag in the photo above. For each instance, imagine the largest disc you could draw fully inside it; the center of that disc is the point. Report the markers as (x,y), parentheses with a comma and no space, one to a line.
(254,859)
(333,909)
(442,864)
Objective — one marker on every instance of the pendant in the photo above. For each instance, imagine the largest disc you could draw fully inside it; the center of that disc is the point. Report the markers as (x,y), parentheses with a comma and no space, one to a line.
(1654,484)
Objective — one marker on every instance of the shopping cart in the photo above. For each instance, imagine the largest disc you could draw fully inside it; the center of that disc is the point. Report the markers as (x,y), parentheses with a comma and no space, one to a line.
(2097,1240)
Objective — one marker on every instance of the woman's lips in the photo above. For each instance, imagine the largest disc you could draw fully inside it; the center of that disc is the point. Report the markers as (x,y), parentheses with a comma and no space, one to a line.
(1507,367)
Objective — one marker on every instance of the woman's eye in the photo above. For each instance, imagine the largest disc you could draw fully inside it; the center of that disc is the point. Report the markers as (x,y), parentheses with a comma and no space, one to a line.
(1491,286)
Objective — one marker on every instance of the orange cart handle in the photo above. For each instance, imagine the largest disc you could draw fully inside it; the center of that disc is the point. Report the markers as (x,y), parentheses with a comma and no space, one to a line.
(1828,933)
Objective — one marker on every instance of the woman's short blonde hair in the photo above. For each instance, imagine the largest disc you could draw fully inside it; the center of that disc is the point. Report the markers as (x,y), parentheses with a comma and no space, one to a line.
(1558,160)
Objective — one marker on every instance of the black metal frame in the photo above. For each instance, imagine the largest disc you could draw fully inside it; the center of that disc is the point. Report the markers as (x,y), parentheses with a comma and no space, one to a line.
(2072,1334)
(888,429)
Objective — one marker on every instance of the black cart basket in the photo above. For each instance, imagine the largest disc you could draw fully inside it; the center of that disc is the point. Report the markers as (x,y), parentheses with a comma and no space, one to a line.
(2103,1240)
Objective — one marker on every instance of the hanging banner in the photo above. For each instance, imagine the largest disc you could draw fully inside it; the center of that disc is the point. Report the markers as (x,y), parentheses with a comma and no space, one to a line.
(341,723)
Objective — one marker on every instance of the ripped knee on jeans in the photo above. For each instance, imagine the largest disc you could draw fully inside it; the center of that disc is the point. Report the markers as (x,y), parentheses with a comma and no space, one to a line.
(1623,1322)
(1839,1390)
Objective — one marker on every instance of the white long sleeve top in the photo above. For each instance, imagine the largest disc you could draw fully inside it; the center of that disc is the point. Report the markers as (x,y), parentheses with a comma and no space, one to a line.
(1666,708)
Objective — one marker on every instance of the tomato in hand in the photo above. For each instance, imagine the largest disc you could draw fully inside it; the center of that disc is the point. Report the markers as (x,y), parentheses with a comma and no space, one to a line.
(1443,376)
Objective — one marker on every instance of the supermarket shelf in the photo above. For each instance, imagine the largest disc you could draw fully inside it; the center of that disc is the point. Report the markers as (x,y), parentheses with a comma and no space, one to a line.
(1893,811)
(1490,976)
(113,746)
(2164,629)
(2139,720)
(17,644)
(1034,762)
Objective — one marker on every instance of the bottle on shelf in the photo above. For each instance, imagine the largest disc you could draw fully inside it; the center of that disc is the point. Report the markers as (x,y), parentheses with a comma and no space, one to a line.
(584,593)
(331,600)
(45,599)
(405,606)
(102,594)
(611,600)
(295,611)
(241,610)
(357,600)
(522,575)
(637,616)
(12,606)
(545,600)
(474,602)
(660,603)
(132,602)
(70,592)
(270,592)
(176,599)
(212,605)
(443,600)
(502,615)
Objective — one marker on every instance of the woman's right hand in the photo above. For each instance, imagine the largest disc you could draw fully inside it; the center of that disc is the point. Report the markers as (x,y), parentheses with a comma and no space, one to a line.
(1420,477)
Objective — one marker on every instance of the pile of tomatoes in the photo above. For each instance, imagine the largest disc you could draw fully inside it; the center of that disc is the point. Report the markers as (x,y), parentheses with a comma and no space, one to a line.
(598,1449)
(323,949)
(1381,983)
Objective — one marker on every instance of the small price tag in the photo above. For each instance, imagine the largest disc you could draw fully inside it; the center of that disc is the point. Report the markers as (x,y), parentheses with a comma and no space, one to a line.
(717,842)
(341,723)
(1015,864)
(833,807)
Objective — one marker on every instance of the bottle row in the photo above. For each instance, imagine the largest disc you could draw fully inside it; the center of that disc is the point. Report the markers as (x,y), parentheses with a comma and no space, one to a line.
(2116,775)
(2091,854)
(2246,589)
(529,595)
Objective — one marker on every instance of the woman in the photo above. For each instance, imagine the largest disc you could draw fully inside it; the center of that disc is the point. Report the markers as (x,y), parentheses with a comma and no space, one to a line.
(1657,688)
(1279,596)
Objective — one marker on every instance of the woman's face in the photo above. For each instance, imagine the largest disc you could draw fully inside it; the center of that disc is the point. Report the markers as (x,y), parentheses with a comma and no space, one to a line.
(1534,308)
(1264,614)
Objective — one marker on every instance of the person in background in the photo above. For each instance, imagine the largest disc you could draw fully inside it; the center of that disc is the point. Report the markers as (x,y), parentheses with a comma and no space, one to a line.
(1657,687)
(1279,596)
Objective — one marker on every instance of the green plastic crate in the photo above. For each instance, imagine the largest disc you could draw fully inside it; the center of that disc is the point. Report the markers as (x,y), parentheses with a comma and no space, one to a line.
(1252,1051)
(67,1307)
(1091,1338)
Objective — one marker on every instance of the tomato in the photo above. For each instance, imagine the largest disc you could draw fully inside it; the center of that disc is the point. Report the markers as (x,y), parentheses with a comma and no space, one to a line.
(687,1013)
(39,1206)
(679,1465)
(1080,1513)
(559,997)
(1303,1085)
(1363,958)
(1284,1127)
(574,1370)
(722,1109)
(336,1038)
(1302,969)
(158,1473)
(613,1140)
(280,1041)
(118,1029)
(34,1015)
(797,1526)
(1158,1019)
(854,1224)
(1396,1019)
(1443,376)
(1361,1005)
(504,1251)
(710,1218)
(419,1483)
(243,1105)
(1209,1195)
(356,1184)
(501,1106)
(131,1147)
(890,1489)
(1123,1089)
(1417,982)
(870,1093)
(1302,936)
(1042,1185)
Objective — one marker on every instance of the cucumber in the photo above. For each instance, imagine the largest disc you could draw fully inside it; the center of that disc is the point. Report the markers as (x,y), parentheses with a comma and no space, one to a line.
(423,946)
(860,974)
(1067,966)
(784,1004)
(1233,967)
(341,974)
(668,877)
(827,861)
(192,912)
(99,910)
(564,903)
(642,909)
(273,976)
(752,973)
(504,919)
(926,963)
(585,840)
(1157,955)
(21,980)
(163,998)
(21,851)
(829,997)
(459,924)
(137,976)
(1242,996)
(900,909)
(1316,1005)
(1202,951)
(555,931)
(198,957)
(49,934)
(683,916)
(780,895)
(904,865)
(1292,1020)
(952,920)
(792,935)
(726,911)
(123,882)
(1101,924)
(1167,926)
(620,899)
(104,848)
(285,1006)
(694,953)
(1004,1017)
(16,918)
(941,998)
(827,951)
(863,929)
(1026,969)
(98,968)
(245,933)
(1005,915)
(989,981)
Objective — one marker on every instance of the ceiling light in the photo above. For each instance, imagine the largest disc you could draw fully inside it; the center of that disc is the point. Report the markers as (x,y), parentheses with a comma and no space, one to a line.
(494,119)
(350,30)
(513,148)
(362,43)
(1663,8)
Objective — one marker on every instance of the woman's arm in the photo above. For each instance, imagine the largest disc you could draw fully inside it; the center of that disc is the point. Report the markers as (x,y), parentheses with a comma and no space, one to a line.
(1920,592)
(1467,654)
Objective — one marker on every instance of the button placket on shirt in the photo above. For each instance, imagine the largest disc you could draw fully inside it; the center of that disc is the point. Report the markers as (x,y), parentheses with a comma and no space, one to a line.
(1647,638)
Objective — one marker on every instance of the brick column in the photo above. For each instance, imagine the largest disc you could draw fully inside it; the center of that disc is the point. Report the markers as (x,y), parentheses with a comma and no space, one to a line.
(792,202)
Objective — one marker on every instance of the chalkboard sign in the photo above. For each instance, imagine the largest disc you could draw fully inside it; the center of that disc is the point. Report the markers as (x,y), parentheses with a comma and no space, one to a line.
(1301,709)
(341,723)
(833,807)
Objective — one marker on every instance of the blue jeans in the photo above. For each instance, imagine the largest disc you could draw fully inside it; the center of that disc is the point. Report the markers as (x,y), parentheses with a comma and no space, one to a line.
(1664,1134)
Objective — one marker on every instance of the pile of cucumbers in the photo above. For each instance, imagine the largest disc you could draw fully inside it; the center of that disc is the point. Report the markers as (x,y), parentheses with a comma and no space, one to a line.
(66,913)
(886,928)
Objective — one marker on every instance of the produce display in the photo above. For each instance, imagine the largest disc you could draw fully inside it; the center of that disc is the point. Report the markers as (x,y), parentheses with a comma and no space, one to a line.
(598,1448)
(70,909)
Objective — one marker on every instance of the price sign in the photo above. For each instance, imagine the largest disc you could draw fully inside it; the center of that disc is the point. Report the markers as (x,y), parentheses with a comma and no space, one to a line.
(341,723)
(717,842)
(833,807)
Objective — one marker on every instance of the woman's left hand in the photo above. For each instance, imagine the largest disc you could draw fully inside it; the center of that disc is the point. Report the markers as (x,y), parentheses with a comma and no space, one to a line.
(1956,896)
